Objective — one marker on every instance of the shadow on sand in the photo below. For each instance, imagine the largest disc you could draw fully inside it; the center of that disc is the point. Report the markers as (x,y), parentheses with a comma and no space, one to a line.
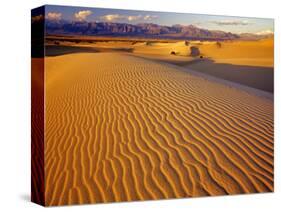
(258,77)
(56,50)
(252,76)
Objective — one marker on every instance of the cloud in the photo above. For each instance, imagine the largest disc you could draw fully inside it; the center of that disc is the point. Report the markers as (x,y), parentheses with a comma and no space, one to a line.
(133,17)
(265,32)
(118,17)
(149,17)
(231,22)
(37,18)
(110,17)
(82,15)
(54,16)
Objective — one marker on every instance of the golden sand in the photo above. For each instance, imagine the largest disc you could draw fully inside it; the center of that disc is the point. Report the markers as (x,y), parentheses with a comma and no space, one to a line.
(251,53)
(121,128)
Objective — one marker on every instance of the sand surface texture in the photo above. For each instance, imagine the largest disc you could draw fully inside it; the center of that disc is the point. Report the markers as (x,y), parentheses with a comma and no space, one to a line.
(250,63)
(122,128)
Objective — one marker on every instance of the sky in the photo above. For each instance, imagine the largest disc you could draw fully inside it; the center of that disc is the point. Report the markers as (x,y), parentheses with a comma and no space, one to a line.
(211,22)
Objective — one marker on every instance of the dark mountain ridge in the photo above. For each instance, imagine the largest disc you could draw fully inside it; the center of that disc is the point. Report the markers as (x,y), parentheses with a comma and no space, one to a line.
(146,30)
(142,30)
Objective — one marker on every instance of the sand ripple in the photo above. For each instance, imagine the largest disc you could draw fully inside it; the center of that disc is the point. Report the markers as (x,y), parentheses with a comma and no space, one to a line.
(120,128)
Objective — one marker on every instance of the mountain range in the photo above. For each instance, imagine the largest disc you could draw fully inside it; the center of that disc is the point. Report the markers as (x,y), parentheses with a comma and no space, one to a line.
(143,30)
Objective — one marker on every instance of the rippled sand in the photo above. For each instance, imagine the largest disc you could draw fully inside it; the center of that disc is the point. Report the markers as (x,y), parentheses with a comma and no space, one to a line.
(121,128)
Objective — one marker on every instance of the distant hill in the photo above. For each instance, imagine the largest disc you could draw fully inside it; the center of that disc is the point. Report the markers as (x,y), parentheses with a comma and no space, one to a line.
(144,30)
(251,36)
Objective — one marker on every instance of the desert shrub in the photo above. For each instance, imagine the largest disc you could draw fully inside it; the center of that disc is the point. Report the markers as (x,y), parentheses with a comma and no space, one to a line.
(173,53)
(218,44)
(186,43)
(149,43)
(194,51)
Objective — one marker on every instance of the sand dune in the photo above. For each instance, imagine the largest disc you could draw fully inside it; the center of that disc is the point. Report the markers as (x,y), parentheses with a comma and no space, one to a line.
(37,130)
(121,128)
(261,78)
(251,53)
(163,48)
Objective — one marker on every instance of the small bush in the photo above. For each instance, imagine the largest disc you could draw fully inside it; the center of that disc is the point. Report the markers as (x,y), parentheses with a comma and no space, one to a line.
(194,51)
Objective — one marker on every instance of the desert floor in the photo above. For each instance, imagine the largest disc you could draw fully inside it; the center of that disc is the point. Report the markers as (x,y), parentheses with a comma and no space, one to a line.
(123,126)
